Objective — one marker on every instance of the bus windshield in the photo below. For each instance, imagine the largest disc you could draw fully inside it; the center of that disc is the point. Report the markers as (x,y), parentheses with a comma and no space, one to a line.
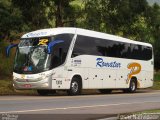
(31,56)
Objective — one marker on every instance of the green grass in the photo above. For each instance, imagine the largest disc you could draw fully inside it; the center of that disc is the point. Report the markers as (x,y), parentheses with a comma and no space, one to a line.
(154,111)
(6,88)
(157,76)
(156,84)
(146,114)
(151,111)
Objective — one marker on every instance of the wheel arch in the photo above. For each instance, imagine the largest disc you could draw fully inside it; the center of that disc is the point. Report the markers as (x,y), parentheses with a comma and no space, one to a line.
(78,76)
(136,80)
(76,87)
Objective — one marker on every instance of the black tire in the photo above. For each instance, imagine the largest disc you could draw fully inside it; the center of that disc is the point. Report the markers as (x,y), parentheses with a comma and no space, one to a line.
(132,87)
(105,91)
(75,87)
(45,92)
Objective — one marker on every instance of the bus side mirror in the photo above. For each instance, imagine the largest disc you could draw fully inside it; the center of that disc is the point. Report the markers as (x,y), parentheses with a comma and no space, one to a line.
(8,48)
(51,44)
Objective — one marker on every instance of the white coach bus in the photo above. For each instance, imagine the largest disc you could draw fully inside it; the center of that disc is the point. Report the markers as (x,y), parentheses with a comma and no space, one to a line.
(73,59)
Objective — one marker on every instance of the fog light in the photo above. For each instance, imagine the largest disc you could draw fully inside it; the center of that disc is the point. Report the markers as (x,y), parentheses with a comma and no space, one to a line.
(45,85)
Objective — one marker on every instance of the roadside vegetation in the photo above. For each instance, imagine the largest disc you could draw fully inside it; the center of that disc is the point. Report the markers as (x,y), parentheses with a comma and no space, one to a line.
(156,85)
(6,88)
(151,111)
(141,115)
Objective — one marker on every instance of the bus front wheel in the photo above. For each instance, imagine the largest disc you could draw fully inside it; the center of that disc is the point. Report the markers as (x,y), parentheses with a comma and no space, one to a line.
(75,87)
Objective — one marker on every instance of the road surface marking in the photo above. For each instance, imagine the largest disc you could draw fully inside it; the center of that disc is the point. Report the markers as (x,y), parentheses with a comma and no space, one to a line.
(71,97)
(77,107)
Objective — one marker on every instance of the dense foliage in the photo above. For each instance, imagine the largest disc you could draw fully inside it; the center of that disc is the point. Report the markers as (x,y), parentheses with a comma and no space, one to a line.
(134,19)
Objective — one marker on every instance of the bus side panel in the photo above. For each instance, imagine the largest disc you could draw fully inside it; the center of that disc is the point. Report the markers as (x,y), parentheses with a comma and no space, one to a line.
(148,69)
(121,81)
(96,78)
(59,80)
(148,76)
(109,80)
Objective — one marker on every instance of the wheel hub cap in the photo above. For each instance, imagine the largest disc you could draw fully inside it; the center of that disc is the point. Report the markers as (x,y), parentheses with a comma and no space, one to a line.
(75,86)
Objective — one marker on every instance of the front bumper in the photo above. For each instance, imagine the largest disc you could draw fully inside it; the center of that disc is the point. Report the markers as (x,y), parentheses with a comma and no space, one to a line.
(31,84)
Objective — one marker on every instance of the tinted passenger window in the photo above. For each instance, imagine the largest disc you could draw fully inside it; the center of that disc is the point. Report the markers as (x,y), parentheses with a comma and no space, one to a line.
(88,46)
(147,53)
(101,49)
(95,46)
(126,51)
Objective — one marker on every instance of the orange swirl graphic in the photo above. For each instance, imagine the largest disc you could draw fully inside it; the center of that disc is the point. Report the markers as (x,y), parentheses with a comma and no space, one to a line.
(135,69)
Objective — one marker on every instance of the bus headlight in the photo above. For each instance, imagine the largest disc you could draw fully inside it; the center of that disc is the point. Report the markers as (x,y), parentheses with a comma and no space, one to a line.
(45,85)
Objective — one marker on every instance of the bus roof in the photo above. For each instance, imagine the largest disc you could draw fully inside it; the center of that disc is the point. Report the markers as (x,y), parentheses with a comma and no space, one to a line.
(72,30)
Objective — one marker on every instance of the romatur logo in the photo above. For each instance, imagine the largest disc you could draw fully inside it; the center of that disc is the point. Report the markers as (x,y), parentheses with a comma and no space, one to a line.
(101,63)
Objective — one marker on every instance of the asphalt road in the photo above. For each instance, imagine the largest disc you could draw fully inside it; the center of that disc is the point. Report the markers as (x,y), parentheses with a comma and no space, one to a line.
(83,105)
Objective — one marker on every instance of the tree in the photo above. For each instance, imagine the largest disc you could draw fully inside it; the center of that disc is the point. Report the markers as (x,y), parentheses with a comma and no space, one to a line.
(114,16)
(39,14)
(10,22)
(154,22)
(65,13)
(34,13)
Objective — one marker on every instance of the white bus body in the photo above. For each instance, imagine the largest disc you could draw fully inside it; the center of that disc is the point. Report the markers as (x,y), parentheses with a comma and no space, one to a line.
(92,60)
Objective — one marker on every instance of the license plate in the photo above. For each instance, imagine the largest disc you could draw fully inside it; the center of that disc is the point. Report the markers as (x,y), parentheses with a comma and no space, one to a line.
(27,85)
